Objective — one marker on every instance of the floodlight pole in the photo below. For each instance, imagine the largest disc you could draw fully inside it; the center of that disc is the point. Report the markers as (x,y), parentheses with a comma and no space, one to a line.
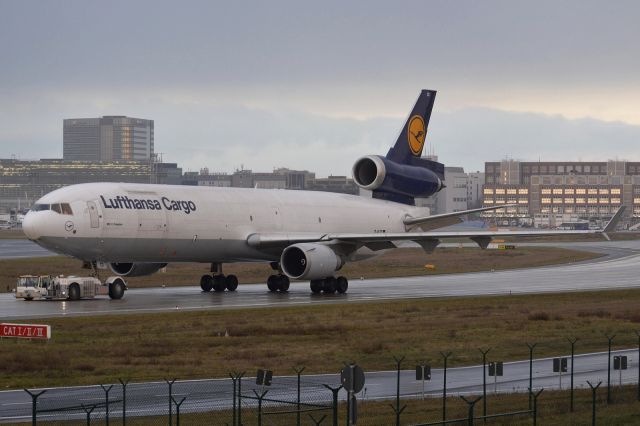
(531,347)
(445,356)
(484,382)
(573,345)
(610,339)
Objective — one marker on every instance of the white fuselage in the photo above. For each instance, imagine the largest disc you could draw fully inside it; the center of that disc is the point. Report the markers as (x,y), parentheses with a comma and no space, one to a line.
(122,222)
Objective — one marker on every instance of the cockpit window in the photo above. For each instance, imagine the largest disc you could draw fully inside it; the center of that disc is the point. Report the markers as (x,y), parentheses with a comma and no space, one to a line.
(60,208)
(41,207)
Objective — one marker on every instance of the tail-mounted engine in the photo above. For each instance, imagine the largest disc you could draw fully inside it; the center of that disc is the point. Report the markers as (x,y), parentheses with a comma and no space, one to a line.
(398,182)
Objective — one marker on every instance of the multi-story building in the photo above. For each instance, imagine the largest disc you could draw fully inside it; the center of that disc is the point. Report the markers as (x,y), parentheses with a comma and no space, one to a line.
(550,193)
(23,182)
(475,184)
(109,138)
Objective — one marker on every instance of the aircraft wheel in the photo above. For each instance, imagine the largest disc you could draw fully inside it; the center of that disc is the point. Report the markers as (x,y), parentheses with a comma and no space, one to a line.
(283,283)
(316,286)
(329,285)
(74,292)
(206,282)
(231,282)
(342,284)
(272,283)
(116,289)
(219,283)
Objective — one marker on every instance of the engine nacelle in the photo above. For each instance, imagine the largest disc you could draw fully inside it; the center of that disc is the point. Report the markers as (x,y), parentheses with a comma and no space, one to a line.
(376,173)
(135,269)
(309,261)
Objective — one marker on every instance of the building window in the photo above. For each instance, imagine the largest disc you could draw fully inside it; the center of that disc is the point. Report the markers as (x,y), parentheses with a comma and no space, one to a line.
(592,191)
(615,191)
(569,200)
(511,191)
(557,201)
(557,191)
(546,200)
(523,191)
(500,191)
(591,200)
(581,191)
(604,200)
(615,201)
(569,191)
(636,200)
(523,201)
(579,200)
(545,191)
(603,191)
(487,191)
(488,201)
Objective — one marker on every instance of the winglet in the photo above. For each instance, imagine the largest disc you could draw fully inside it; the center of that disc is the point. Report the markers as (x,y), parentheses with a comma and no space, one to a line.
(613,222)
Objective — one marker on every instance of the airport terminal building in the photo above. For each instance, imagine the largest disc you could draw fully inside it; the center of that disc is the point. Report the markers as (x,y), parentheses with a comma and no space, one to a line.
(23,182)
(550,194)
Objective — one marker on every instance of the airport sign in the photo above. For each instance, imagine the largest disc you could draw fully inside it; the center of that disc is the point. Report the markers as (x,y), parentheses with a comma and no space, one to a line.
(25,331)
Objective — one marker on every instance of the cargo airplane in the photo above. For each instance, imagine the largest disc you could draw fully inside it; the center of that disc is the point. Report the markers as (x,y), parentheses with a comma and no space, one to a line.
(138,228)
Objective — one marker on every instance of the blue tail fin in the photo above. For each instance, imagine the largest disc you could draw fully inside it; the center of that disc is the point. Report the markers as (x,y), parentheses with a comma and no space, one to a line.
(413,136)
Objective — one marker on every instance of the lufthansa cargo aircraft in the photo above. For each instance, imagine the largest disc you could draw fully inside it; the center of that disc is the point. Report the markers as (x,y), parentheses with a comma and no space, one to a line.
(137,228)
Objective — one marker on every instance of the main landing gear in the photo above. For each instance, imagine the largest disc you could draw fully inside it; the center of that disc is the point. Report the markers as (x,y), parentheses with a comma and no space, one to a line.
(218,281)
(278,282)
(330,285)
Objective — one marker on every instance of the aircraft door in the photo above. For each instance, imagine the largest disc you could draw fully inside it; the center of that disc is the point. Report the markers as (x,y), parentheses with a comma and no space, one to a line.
(94,219)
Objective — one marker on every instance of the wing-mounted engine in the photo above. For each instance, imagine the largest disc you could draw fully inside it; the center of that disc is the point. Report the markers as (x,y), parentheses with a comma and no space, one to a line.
(399,182)
(310,261)
(135,269)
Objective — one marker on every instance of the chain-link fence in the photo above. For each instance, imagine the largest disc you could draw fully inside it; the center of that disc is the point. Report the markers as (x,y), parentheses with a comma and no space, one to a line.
(509,393)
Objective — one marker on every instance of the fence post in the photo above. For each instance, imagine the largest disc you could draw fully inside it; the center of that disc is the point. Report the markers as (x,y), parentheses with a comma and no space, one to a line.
(170,383)
(106,402)
(484,382)
(124,400)
(93,407)
(298,372)
(445,356)
(235,378)
(260,398)
(178,404)
(593,401)
(573,346)
(531,347)
(34,403)
(610,339)
(471,405)
(239,379)
(317,422)
(535,405)
(335,402)
(638,334)
(397,410)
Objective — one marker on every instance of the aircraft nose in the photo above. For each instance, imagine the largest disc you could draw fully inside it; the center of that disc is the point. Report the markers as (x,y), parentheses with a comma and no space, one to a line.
(31,226)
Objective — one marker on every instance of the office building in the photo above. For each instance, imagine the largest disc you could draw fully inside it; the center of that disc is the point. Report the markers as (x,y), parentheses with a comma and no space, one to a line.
(109,138)
(550,194)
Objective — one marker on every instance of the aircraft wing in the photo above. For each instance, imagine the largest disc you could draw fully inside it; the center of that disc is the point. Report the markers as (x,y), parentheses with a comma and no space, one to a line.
(428,239)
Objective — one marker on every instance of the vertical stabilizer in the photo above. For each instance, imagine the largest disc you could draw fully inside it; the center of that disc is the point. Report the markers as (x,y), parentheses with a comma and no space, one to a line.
(413,135)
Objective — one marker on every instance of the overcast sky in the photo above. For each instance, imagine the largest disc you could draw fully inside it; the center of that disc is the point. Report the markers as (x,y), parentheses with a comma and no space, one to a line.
(315,85)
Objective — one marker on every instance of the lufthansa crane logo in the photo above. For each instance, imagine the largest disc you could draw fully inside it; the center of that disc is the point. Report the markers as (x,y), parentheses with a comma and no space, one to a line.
(416,134)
